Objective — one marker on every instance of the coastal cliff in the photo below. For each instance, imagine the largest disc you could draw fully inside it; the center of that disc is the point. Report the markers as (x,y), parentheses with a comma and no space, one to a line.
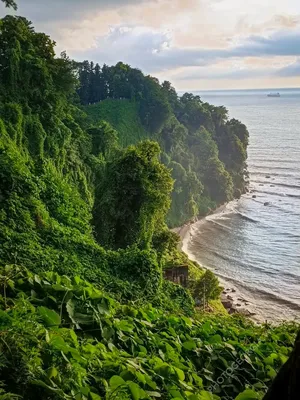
(85,312)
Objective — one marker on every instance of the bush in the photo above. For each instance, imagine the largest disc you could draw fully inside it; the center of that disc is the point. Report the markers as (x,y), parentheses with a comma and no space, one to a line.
(206,288)
(62,338)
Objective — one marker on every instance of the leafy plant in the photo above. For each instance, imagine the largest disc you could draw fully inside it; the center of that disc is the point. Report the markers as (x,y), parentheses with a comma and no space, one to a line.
(63,338)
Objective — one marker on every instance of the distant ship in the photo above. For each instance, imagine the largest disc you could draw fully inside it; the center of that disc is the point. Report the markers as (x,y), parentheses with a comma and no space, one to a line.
(274,94)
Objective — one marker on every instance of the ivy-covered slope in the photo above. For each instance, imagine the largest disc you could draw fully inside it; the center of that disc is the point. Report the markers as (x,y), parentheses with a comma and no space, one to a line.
(52,164)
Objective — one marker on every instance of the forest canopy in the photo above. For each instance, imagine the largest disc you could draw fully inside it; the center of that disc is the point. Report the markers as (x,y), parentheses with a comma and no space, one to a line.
(204,149)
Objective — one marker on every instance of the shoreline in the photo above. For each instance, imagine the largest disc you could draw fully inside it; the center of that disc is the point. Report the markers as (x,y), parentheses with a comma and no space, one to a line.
(231,297)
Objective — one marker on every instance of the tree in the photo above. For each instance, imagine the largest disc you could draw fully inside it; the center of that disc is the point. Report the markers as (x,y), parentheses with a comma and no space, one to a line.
(10,3)
(194,135)
(232,140)
(193,113)
(133,198)
(104,139)
(206,288)
(171,94)
(185,196)
(172,134)
(85,76)
(154,106)
(97,89)
(211,171)
(30,74)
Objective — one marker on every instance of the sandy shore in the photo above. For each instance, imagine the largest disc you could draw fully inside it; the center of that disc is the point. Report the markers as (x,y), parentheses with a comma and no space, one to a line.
(231,294)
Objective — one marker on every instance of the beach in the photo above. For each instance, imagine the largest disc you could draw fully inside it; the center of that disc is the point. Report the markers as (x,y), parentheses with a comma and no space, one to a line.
(232,296)
(258,306)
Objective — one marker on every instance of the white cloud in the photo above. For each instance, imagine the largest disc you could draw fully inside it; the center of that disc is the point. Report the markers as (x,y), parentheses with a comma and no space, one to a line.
(177,38)
(154,51)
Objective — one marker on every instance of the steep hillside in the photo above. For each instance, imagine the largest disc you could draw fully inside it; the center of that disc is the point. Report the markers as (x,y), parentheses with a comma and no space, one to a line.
(85,313)
(205,151)
(52,165)
(123,117)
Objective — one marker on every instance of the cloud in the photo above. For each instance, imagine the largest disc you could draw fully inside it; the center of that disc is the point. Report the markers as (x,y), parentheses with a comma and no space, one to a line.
(282,43)
(204,73)
(154,50)
(67,10)
(136,45)
(183,40)
(291,70)
(276,22)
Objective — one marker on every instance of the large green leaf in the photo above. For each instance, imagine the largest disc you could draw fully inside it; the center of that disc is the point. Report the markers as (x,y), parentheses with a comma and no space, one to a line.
(204,395)
(50,317)
(136,392)
(124,326)
(179,373)
(70,307)
(189,345)
(52,372)
(103,307)
(58,343)
(248,394)
(116,381)
(216,339)
(83,319)
(153,394)
(94,396)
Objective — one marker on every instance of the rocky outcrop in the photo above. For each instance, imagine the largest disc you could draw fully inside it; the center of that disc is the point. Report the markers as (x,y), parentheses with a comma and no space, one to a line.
(233,306)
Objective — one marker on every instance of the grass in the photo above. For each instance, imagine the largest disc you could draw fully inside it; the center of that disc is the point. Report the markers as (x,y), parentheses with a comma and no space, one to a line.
(123,116)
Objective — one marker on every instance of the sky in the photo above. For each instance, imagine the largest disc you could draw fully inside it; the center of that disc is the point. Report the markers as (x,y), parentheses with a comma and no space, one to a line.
(195,44)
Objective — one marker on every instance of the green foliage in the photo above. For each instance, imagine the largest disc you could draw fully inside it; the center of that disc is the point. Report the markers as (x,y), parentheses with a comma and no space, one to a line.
(186,195)
(174,298)
(206,151)
(27,57)
(133,198)
(205,288)
(232,142)
(154,107)
(172,134)
(52,163)
(122,115)
(80,322)
(63,338)
(104,139)
(122,82)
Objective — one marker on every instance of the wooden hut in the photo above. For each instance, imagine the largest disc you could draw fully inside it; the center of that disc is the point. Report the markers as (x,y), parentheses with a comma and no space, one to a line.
(178,274)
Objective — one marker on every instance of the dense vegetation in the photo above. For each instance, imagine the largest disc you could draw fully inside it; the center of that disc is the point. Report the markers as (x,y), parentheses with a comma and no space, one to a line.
(84,311)
(62,338)
(205,151)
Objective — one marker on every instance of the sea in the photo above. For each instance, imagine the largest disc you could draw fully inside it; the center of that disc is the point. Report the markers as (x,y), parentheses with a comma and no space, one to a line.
(253,244)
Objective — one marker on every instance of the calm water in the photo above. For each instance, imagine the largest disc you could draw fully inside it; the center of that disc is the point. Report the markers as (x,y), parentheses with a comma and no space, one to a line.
(256,247)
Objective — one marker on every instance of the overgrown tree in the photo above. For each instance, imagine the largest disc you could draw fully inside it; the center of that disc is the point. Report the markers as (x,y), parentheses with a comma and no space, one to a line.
(133,198)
